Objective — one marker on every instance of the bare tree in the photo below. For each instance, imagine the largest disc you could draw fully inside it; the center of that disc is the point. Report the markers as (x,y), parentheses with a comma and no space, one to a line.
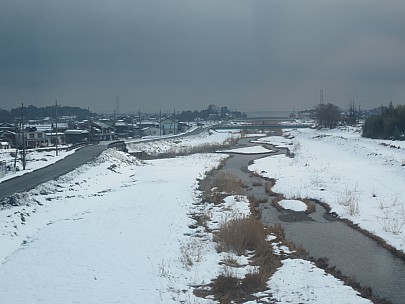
(327,115)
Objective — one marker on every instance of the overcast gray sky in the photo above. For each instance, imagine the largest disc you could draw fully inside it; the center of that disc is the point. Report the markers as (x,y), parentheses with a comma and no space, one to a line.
(250,55)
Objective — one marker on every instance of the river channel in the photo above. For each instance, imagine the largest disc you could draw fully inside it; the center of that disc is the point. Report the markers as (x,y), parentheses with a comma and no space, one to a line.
(353,253)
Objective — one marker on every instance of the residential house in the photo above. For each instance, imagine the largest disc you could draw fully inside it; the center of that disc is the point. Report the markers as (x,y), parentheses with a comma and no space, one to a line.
(169,126)
(102,131)
(5,145)
(31,137)
(98,131)
(7,133)
(136,131)
(184,126)
(8,136)
(148,123)
(77,136)
(7,127)
(121,129)
(150,131)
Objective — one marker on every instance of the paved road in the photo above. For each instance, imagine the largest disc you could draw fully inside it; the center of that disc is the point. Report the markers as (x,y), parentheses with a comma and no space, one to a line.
(31,180)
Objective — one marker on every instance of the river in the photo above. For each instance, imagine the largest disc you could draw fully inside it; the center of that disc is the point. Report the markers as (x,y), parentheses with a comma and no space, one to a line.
(354,254)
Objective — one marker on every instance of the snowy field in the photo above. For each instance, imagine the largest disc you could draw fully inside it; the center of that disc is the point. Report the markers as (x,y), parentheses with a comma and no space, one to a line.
(117,230)
(361,179)
(177,144)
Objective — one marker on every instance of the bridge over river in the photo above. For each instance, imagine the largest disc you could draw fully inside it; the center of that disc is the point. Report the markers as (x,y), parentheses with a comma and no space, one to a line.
(256,126)
(262,123)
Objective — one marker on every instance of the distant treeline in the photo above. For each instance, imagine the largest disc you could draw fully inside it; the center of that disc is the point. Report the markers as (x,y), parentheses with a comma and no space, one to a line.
(38,113)
(212,111)
(389,124)
(34,113)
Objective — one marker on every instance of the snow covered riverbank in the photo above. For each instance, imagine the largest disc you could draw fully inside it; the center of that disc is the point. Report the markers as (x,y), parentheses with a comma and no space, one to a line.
(105,233)
(180,144)
(361,179)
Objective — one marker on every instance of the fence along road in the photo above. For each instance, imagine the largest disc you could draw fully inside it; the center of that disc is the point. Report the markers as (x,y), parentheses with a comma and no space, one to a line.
(31,180)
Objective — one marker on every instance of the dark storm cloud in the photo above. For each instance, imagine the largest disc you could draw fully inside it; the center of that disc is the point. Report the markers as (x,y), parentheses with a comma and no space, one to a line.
(255,54)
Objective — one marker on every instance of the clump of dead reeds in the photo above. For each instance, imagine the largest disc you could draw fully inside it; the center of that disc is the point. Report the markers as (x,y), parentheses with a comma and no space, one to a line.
(242,235)
(254,204)
(268,186)
(188,150)
(216,186)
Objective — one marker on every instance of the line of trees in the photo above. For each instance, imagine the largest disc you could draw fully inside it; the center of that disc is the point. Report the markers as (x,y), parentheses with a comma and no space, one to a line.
(33,112)
(389,124)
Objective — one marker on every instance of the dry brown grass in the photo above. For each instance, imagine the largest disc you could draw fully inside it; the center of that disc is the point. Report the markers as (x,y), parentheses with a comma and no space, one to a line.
(227,288)
(183,151)
(298,251)
(231,261)
(201,220)
(265,259)
(311,206)
(275,202)
(191,252)
(255,280)
(278,231)
(268,186)
(229,183)
(350,199)
(217,185)
(254,204)
(240,234)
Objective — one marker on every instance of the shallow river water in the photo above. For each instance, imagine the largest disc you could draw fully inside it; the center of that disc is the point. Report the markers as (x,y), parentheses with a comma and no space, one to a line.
(353,253)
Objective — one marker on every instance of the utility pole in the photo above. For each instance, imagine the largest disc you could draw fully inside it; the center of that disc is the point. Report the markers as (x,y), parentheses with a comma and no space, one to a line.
(90,127)
(56,126)
(321,96)
(160,123)
(16,146)
(23,135)
(117,104)
(174,122)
